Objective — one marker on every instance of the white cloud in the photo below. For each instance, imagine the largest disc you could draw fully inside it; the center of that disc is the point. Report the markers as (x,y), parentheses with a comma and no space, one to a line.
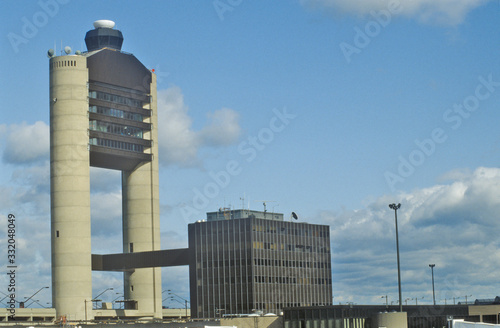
(178,141)
(448,12)
(223,128)
(453,225)
(27,143)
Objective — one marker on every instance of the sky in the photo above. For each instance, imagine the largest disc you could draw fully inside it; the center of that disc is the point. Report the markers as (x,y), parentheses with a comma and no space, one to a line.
(332,109)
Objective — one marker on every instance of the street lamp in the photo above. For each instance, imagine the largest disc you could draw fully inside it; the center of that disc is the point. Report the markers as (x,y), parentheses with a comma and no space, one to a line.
(114,300)
(174,299)
(95,298)
(396,208)
(185,300)
(26,300)
(117,297)
(466,298)
(386,302)
(35,301)
(432,271)
(416,300)
(8,296)
(1,301)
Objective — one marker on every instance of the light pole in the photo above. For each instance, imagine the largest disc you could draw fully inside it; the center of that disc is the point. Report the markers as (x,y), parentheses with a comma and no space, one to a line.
(432,272)
(86,309)
(416,300)
(34,301)
(1,301)
(26,300)
(395,208)
(386,301)
(119,296)
(38,302)
(95,298)
(185,300)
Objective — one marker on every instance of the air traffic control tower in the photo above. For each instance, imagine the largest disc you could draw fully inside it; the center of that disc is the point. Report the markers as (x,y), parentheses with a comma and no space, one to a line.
(102,114)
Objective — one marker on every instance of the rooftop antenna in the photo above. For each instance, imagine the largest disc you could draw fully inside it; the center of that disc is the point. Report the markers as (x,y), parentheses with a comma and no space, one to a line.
(264,202)
(243,201)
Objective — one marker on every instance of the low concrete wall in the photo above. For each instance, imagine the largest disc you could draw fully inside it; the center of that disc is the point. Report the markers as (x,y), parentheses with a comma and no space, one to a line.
(253,322)
(390,320)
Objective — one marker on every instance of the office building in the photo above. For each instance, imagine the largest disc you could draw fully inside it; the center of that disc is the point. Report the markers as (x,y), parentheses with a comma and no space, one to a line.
(102,114)
(244,261)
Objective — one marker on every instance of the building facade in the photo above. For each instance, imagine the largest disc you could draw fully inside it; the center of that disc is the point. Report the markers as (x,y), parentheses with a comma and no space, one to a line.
(102,114)
(372,316)
(245,261)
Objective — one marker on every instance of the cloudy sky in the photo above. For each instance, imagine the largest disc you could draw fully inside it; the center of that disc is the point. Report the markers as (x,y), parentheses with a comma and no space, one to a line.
(332,109)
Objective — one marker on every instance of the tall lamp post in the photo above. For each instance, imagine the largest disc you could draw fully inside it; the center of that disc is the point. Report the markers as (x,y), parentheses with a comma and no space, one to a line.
(97,300)
(396,208)
(182,298)
(432,272)
(386,301)
(26,300)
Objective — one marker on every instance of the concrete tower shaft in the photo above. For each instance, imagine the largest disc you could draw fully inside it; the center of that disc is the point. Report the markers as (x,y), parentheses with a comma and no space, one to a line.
(70,188)
(141,220)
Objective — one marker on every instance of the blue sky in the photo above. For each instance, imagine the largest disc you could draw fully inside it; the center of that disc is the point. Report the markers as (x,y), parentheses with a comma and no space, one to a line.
(329,108)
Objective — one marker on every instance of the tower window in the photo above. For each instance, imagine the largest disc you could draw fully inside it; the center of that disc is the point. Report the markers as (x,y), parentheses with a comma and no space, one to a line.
(119,129)
(115,98)
(116,113)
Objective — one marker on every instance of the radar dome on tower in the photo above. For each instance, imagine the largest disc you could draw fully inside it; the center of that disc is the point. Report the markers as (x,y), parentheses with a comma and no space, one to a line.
(104,23)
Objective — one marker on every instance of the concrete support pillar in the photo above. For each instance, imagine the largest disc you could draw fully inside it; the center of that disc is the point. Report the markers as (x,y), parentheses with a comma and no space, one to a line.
(70,188)
(141,222)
